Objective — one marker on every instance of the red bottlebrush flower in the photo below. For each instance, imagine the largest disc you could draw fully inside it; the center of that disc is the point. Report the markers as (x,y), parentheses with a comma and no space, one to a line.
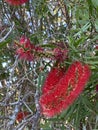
(25,42)
(60,54)
(25,48)
(66,91)
(21,115)
(52,79)
(26,55)
(16,2)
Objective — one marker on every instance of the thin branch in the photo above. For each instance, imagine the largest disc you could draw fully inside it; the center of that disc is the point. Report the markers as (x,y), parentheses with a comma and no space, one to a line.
(8,33)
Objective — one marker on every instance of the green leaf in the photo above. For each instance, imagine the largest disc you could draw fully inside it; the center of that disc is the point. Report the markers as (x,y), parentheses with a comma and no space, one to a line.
(41,79)
(90,6)
(3,44)
(95,3)
(96,24)
(83,29)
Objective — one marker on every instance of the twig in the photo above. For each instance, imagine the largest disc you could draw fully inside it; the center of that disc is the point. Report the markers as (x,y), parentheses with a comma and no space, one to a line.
(10,30)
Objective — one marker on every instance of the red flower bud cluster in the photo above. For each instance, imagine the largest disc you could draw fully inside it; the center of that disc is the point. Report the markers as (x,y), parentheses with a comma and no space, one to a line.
(26,50)
(16,2)
(97,87)
(67,89)
(21,115)
(96,47)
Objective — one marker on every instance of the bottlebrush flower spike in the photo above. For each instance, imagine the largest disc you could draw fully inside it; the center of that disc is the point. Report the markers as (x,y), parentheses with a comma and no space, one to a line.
(26,55)
(21,115)
(25,42)
(66,91)
(25,48)
(16,2)
(52,79)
